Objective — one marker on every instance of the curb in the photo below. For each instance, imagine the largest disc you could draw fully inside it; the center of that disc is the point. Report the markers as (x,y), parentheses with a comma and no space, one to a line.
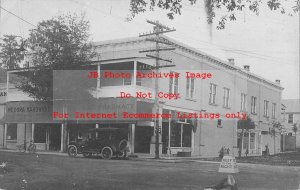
(162,160)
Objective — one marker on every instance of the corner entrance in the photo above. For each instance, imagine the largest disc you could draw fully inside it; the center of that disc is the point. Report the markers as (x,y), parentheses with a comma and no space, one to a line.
(142,139)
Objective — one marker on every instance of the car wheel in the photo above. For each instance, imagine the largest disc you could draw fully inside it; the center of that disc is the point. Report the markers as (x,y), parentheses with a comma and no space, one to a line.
(87,155)
(106,153)
(72,151)
(122,154)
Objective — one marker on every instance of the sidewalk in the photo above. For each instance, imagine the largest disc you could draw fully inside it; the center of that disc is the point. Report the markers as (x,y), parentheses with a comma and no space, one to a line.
(163,158)
(38,152)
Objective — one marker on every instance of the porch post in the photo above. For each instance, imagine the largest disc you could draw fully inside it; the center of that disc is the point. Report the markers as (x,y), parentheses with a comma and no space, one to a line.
(32,132)
(99,76)
(169,133)
(5,136)
(249,142)
(134,73)
(242,142)
(97,126)
(132,134)
(62,138)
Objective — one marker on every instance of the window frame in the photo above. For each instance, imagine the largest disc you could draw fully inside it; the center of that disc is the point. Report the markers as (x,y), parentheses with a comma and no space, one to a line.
(190,88)
(243,102)
(253,105)
(213,94)
(266,108)
(173,83)
(273,110)
(226,96)
(292,118)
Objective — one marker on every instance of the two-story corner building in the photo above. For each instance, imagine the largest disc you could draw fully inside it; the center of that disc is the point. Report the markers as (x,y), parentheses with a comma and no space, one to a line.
(213,96)
(291,117)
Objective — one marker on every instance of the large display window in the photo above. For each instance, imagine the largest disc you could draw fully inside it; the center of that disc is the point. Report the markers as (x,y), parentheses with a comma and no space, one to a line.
(12,131)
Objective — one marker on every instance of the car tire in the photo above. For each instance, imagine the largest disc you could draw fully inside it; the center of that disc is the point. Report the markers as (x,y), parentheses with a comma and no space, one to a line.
(72,151)
(106,153)
(87,155)
(122,154)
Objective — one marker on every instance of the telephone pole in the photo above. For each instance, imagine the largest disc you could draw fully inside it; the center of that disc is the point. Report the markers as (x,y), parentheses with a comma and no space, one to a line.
(158,29)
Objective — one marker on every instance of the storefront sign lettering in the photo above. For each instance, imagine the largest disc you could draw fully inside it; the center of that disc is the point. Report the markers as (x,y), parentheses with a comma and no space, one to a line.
(3,94)
(27,109)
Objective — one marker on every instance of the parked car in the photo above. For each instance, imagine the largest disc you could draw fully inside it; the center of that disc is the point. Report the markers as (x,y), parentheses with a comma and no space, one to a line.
(106,142)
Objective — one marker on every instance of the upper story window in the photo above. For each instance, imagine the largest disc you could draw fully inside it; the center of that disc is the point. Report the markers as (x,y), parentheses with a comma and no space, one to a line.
(226,97)
(243,101)
(126,81)
(290,118)
(139,81)
(173,83)
(253,104)
(266,108)
(213,93)
(273,110)
(190,88)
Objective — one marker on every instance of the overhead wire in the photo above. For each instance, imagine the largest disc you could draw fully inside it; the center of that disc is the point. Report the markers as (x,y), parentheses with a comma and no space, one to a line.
(17,16)
(224,48)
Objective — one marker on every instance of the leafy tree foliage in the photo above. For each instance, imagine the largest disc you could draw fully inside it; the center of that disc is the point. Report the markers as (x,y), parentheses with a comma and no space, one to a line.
(60,43)
(11,53)
(295,129)
(276,128)
(2,75)
(174,7)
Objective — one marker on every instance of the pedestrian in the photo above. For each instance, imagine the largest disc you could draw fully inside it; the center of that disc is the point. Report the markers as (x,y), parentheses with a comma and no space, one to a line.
(247,152)
(221,152)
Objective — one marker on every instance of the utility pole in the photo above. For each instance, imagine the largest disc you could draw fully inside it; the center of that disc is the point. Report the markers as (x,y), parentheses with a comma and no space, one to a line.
(158,29)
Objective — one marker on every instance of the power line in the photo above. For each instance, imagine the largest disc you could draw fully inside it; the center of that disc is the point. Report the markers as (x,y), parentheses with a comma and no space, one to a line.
(18,16)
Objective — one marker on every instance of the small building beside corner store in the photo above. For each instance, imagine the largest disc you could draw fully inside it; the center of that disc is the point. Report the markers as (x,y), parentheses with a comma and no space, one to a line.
(231,90)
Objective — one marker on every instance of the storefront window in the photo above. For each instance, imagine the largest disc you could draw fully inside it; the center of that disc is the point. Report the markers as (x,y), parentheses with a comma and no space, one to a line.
(187,136)
(246,141)
(40,133)
(181,135)
(12,131)
(176,135)
(252,141)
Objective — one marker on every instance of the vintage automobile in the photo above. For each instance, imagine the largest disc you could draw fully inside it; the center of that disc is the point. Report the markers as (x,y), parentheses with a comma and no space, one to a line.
(106,142)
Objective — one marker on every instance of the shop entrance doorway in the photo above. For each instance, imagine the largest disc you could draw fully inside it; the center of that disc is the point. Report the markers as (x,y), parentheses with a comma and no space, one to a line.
(54,138)
(142,139)
(47,136)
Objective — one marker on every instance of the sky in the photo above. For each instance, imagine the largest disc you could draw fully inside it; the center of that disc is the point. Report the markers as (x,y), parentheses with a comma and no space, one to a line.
(269,43)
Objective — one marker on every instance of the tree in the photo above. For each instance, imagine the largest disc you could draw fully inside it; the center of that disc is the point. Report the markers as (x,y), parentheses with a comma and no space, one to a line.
(275,129)
(2,75)
(11,52)
(245,125)
(295,129)
(60,43)
(174,7)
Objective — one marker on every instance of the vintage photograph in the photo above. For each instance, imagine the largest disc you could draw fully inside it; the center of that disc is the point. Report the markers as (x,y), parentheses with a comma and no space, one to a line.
(149,94)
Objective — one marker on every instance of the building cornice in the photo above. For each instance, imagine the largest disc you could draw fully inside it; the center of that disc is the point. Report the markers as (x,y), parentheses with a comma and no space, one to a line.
(193,51)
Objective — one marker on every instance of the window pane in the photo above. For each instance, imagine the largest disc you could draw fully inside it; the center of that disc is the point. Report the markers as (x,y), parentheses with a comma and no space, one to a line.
(12,131)
(187,136)
(175,135)
(171,84)
(290,119)
(40,133)
(188,87)
(246,141)
(252,140)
